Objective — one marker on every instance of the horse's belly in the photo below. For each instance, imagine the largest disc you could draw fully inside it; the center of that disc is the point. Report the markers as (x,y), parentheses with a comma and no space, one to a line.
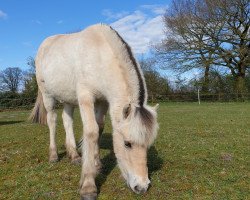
(61,87)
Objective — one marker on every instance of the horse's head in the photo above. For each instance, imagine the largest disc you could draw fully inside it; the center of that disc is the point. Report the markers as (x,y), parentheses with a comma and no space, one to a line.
(135,134)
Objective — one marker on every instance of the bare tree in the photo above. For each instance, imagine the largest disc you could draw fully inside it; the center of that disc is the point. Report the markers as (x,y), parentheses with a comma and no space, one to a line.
(183,48)
(31,63)
(232,40)
(157,85)
(204,33)
(11,79)
(30,83)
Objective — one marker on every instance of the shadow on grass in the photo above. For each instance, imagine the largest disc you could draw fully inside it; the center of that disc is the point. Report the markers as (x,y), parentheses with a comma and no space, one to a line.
(154,161)
(62,154)
(109,161)
(9,122)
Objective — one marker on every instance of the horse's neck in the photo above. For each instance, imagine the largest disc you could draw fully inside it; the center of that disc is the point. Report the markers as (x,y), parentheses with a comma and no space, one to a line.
(118,98)
(116,111)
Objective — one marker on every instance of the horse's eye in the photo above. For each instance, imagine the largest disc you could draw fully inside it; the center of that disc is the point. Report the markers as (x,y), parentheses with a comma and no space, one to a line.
(127,144)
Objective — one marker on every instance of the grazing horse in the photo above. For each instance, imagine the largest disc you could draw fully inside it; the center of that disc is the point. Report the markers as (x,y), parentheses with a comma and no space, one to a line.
(96,70)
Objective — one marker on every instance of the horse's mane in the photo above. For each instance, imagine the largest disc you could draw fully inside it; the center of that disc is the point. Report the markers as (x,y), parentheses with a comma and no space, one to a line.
(125,54)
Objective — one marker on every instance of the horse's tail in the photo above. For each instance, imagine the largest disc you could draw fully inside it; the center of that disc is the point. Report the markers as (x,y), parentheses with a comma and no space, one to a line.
(39,113)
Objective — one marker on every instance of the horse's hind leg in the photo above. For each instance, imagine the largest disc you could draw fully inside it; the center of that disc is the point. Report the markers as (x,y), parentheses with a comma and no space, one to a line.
(67,116)
(49,104)
(101,109)
(100,112)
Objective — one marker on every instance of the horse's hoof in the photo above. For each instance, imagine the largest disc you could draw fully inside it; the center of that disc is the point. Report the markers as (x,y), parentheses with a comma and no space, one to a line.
(89,197)
(53,159)
(76,161)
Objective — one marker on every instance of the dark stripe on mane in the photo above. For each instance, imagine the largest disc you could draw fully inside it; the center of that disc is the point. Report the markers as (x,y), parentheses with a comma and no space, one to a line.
(134,63)
(146,117)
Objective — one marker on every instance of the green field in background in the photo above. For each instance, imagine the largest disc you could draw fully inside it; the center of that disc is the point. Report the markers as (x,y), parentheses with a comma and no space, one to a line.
(201,152)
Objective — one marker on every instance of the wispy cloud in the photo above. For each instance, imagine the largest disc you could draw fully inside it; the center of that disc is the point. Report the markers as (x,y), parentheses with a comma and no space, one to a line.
(110,15)
(59,22)
(156,9)
(36,21)
(3,15)
(27,44)
(142,28)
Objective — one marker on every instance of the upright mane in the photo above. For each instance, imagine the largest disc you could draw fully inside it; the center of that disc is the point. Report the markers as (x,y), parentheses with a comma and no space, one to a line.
(143,125)
(142,90)
(127,56)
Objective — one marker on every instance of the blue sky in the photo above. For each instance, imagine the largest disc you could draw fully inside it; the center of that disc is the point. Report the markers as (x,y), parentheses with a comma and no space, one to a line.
(25,24)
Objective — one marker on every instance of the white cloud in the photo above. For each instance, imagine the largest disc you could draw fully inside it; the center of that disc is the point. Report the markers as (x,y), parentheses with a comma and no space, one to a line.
(27,44)
(141,29)
(111,15)
(3,15)
(36,22)
(59,22)
(156,9)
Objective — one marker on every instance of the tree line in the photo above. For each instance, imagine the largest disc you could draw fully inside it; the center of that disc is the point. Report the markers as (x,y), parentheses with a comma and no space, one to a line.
(18,87)
(211,37)
(208,35)
(221,85)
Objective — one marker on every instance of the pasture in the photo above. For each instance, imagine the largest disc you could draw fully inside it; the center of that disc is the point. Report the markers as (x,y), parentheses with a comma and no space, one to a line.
(202,152)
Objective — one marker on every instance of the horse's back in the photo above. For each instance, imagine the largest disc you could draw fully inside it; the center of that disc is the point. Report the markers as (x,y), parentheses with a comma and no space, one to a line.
(66,61)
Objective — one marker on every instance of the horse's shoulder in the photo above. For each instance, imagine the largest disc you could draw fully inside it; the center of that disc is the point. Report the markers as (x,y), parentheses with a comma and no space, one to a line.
(49,40)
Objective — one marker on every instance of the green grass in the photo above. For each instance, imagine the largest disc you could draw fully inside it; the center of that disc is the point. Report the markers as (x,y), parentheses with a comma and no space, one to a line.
(202,152)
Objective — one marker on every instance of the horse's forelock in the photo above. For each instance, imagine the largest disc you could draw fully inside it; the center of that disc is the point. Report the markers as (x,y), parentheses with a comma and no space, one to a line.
(146,117)
(143,126)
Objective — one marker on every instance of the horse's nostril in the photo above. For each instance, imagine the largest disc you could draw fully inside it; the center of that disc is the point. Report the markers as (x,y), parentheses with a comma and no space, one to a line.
(136,188)
(139,190)
(143,190)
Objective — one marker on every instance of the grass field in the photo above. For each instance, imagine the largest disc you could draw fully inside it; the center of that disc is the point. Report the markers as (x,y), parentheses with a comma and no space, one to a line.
(202,152)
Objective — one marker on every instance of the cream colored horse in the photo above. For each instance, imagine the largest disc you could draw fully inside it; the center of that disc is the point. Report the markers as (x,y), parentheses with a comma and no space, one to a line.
(96,70)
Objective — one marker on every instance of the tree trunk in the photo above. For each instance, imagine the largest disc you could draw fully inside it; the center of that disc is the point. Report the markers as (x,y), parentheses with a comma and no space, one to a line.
(240,82)
(205,84)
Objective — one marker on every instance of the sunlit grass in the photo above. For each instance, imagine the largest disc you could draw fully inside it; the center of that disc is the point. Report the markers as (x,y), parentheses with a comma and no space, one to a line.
(202,152)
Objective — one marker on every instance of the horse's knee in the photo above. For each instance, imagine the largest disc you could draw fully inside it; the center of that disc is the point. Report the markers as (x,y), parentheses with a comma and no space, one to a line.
(91,132)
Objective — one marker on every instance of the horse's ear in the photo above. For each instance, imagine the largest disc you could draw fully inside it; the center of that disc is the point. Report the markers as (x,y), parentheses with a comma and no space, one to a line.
(126,111)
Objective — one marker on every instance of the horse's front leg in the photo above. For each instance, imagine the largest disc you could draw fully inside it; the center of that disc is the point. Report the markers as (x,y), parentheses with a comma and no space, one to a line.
(88,188)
